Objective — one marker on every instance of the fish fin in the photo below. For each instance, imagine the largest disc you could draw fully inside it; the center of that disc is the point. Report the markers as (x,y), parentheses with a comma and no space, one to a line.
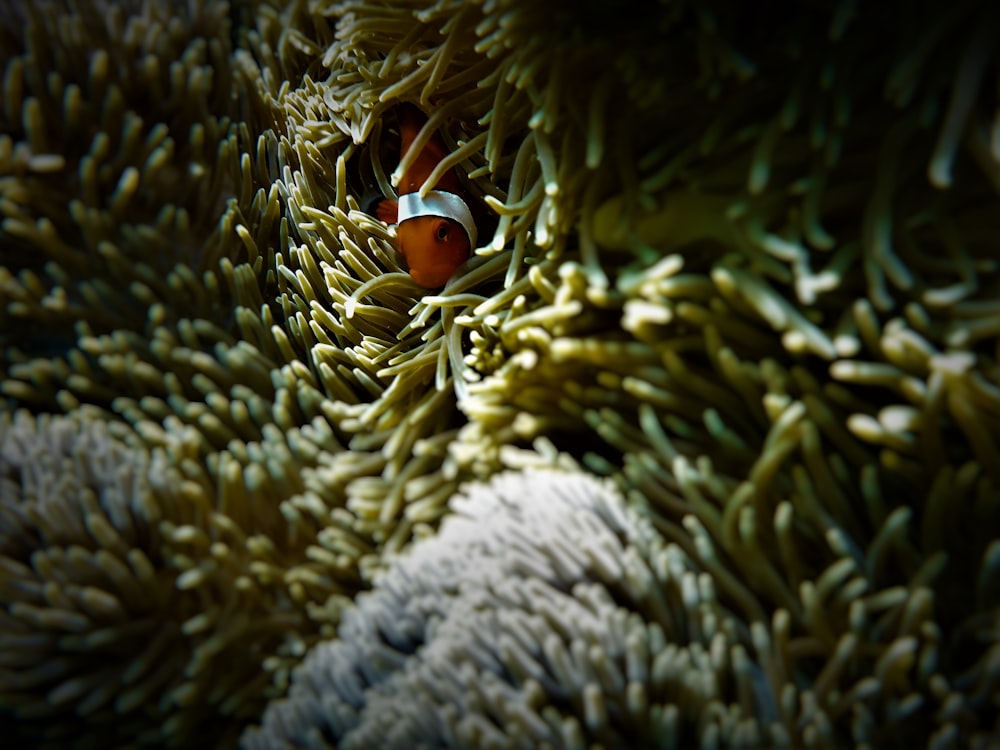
(369,201)
(387,211)
(411,119)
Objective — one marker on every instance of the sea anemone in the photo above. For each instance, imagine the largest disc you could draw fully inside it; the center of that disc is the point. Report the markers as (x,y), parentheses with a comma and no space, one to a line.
(134,612)
(543,612)
(743,268)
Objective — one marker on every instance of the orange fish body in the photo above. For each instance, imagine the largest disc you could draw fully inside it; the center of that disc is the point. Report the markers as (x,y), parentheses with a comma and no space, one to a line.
(436,233)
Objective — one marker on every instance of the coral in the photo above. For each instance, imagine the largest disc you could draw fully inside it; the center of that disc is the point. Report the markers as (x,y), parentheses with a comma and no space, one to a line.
(742,267)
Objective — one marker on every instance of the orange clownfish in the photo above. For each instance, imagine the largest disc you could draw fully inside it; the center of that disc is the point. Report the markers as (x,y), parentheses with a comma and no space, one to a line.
(436,233)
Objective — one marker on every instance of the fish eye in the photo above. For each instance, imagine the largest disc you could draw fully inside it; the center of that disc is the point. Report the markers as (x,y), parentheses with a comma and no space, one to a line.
(442,231)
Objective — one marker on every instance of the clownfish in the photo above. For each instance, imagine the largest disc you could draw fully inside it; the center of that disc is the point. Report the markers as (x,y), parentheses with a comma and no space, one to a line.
(437,233)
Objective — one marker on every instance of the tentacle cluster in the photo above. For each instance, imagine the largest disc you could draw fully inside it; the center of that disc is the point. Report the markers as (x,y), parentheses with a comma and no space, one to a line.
(743,267)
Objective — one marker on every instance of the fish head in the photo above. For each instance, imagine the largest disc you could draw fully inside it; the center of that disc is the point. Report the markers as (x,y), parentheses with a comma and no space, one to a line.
(434,247)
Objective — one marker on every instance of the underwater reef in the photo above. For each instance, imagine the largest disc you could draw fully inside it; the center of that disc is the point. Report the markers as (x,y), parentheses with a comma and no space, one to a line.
(701,448)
